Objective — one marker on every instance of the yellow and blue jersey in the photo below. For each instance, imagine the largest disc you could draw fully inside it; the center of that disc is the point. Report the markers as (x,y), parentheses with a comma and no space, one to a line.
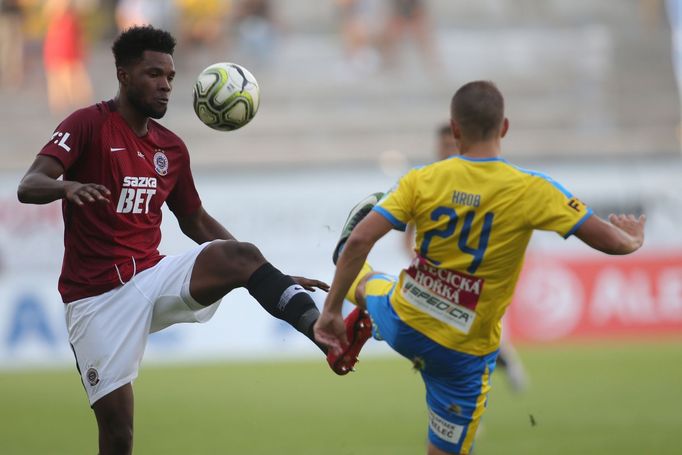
(474,219)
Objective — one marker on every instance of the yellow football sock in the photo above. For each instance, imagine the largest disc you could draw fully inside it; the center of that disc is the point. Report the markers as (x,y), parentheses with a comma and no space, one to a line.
(366,268)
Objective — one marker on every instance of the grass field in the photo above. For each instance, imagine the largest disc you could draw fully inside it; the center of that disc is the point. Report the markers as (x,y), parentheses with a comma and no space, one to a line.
(604,399)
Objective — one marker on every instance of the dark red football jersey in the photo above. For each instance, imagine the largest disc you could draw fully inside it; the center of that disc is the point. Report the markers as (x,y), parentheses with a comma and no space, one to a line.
(101,241)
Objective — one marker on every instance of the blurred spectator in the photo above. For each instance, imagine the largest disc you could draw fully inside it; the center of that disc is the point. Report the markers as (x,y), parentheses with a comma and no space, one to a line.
(356,33)
(408,16)
(256,29)
(159,13)
(68,82)
(202,22)
(11,44)
(650,12)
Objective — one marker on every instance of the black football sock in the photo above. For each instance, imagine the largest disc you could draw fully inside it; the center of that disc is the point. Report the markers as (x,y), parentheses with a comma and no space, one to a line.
(280,296)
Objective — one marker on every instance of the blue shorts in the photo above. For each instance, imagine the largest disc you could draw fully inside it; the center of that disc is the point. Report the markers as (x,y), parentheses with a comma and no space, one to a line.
(457,384)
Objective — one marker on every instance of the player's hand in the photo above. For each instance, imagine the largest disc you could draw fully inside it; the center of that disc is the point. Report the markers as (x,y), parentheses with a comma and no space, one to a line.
(310,284)
(631,225)
(331,331)
(86,193)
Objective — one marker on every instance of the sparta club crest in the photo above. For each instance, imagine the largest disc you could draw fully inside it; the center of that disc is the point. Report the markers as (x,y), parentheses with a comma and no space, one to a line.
(160,162)
(93,376)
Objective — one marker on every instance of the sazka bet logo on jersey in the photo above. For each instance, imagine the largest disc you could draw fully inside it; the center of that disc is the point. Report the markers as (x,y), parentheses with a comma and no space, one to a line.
(160,162)
(136,194)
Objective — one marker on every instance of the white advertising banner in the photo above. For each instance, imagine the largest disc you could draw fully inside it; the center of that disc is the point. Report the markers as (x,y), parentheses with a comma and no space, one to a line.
(293,217)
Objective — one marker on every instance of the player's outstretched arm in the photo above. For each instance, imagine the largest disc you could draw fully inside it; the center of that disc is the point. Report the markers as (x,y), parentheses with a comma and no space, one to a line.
(329,328)
(622,234)
(40,185)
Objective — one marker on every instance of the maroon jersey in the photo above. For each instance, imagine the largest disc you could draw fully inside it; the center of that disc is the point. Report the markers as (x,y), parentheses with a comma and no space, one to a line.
(106,244)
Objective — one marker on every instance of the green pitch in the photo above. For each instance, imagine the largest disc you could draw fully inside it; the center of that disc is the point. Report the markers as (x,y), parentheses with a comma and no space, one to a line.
(601,400)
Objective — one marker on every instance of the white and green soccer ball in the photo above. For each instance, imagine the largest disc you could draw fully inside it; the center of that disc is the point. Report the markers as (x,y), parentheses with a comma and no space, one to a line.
(226,96)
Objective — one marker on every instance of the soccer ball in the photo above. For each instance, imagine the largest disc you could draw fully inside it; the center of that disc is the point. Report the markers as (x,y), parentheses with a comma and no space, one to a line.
(226,96)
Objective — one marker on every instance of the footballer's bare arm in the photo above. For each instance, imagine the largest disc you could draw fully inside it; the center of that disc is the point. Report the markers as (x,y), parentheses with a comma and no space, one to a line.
(622,234)
(202,227)
(41,185)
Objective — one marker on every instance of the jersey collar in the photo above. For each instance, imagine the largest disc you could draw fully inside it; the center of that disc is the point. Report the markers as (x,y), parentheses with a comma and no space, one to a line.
(481,160)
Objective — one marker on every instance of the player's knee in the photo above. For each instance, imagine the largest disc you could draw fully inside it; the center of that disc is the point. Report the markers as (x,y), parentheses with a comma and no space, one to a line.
(240,257)
(361,289)
(245,254)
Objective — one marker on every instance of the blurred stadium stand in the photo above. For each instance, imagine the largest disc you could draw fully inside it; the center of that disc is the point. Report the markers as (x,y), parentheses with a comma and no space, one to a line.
(583,80)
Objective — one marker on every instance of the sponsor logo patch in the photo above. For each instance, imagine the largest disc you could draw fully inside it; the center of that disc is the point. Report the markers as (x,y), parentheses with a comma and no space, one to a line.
(447,295)
(576,204)
(447,431)
(136,194)
(61,139)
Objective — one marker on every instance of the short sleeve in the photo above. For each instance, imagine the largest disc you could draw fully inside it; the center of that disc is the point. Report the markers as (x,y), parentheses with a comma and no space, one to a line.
(72,137)
(184,198)
(397,206)
(550,207)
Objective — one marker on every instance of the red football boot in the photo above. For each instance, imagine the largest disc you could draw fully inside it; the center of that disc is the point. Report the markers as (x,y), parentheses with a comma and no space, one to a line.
(358,331)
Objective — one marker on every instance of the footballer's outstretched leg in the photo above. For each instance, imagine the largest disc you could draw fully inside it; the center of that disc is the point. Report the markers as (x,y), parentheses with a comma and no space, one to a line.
(358,331)
(357,213)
